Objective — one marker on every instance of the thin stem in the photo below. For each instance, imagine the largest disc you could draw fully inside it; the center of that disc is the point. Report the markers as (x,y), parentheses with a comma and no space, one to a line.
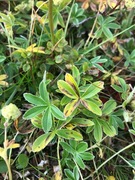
(121,157)
(67,23)
(95,47)
(58,155)
(50,17)
(78,170)
(90,34)
(9,169)
(32,23)
(5,149)
(127,147)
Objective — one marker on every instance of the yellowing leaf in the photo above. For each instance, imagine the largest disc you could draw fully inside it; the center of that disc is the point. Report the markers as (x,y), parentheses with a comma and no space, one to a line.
(57,2)
(70,126)
(32,48)
(130,4)
(14,145)
(70,80)
(85,5)
(112,3)
(69,134)
(70,107)
(2,153)
(110,178)
(91,106)
(66,89)
(3,77)
(42,141)
(58,176)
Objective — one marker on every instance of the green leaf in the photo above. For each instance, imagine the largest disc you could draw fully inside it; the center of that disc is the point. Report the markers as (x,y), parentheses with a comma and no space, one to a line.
(108,130)
(23,161)
(66,89)
(65,100)
(69,174)
(3,167)
(43,92)
(91,106)
(107,32)
(69,134)
(87,156)
(57,113)
(109,107)
(73,143)
(79,161)
(89,129)
(123,84)
(133,125)
(47,120)
(42,141)
(82,122)
(113,26)
(2,58)
(76,74)
(97,131)
(76,173)
(109,19)
(67,147)
(93,89)
(34,112)
(63,4)
(81,147)
(117,88)
(132,131)
(34,99)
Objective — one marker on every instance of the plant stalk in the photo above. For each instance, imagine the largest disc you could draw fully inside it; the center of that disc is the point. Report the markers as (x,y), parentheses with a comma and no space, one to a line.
(50,17)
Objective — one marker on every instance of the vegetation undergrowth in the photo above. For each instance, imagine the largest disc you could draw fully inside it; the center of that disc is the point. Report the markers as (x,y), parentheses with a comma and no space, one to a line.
(67,89)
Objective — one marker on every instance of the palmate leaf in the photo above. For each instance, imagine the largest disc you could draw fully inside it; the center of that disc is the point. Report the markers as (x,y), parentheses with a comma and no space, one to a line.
(42,141)
(66,89)
(91,106)
(34,112)
(70,80)
(70,107)
(34,99)
(69,134)
(93,89)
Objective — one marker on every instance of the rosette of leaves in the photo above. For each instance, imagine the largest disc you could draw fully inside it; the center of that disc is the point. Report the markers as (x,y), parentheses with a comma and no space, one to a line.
(77,152)
(76,95)
(42,105)
(45,115)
